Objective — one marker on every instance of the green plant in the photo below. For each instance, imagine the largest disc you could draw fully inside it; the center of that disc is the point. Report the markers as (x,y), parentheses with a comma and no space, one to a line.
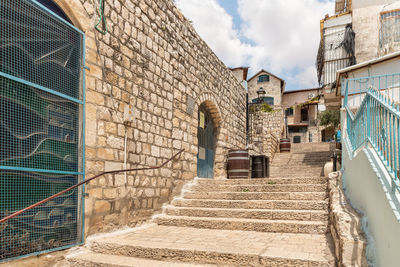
(271,182)
(266,108)
(263,107)
(330,118)
(243,190)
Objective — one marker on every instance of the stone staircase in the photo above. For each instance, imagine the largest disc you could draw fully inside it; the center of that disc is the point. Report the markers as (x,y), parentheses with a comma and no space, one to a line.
(277,221)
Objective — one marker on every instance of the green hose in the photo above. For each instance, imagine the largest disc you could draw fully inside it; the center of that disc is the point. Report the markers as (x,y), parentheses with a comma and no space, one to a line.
(102,19)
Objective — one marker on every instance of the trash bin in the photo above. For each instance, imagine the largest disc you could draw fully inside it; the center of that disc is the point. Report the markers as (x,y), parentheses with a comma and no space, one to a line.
(259,167)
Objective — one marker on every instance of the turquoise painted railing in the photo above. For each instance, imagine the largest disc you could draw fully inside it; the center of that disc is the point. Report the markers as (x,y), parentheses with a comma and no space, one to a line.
(373,117)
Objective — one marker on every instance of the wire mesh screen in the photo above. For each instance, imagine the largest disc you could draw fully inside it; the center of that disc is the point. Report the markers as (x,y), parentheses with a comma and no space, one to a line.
(38,47)
(51,225)
(41,129)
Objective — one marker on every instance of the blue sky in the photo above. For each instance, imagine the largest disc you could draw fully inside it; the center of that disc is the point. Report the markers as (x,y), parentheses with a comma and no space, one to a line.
(280,36)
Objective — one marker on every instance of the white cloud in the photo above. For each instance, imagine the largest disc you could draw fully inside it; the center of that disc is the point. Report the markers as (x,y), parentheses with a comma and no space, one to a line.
(215,26)
(288,31)
(284,35)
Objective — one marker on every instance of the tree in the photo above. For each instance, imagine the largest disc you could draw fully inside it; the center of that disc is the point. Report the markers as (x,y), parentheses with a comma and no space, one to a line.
(330,118)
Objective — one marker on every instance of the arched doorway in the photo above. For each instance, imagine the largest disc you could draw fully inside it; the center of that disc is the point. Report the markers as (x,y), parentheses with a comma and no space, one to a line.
(206,132)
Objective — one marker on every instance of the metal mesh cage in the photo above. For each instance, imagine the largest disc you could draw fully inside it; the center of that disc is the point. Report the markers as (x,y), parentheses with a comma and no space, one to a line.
(38,47)
(41,128)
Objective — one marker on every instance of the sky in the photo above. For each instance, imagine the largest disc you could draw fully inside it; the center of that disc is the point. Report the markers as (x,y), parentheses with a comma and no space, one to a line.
(280,36)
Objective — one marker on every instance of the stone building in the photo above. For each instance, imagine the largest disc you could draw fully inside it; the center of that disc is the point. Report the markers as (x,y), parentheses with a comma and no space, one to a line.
(301,111)
(145,88)
(240,73)
(272,84)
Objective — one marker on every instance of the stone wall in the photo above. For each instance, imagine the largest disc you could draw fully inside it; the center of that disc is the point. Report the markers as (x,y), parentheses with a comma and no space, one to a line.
(345,226)
(315,131)
(266,131)
(151,62)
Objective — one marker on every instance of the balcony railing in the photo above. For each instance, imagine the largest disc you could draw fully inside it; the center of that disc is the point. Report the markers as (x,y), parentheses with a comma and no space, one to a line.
(373,117)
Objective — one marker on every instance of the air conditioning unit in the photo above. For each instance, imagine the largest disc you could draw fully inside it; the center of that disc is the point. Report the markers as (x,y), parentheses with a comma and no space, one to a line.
(310,96)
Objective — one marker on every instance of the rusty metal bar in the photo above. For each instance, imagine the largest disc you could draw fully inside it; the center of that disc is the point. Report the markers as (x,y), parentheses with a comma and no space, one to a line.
(84,182)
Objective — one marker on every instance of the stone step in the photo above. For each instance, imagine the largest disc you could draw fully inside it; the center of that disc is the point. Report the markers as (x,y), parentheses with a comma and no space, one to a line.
(295,168)
(253,204)
(257,195)
(220,247)
(92,259)
(300,164)
(263,181)
(274,226)
(261,188)
(301,160)
(265,214)
(274,174)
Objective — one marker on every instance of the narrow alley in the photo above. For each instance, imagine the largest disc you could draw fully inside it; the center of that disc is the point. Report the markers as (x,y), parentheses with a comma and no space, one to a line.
(280,221)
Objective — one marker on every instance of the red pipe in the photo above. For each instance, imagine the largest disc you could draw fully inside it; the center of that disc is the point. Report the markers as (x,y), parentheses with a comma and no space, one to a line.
(81,183)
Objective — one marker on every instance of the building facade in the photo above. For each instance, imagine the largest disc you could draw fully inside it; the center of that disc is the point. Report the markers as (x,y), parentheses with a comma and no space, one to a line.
(359,31)
(301,112)
(273,86)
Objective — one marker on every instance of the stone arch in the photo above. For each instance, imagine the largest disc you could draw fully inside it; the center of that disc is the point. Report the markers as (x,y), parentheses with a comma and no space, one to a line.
(76,13)
(209,101)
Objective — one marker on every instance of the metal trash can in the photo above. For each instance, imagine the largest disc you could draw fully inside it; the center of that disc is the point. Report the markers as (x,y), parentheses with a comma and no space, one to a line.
(259,167)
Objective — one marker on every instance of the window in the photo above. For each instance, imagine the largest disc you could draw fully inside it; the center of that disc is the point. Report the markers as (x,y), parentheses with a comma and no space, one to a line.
(265,99)
(390,28)
(304,114)
(289,112)
(263,78)
(296,139)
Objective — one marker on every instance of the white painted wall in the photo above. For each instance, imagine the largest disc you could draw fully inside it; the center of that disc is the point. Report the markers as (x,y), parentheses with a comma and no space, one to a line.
(391,85)
(365,3)
(367,185)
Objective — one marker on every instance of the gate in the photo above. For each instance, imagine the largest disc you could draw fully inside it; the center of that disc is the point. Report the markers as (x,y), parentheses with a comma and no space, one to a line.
(41,128)
(206,139)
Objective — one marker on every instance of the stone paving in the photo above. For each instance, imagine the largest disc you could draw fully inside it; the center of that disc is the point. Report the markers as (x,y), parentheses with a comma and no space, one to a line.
(225,242)
(224,223)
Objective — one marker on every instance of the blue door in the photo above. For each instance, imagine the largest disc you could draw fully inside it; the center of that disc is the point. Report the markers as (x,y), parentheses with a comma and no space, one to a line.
(206,138)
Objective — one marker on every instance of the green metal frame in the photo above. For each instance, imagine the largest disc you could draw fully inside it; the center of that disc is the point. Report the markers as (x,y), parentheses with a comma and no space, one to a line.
(81,140)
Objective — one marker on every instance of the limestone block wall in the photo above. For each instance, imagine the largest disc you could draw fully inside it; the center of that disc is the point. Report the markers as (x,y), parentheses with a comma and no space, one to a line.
(151,62)
(272,88)
(315,131)
(266,132)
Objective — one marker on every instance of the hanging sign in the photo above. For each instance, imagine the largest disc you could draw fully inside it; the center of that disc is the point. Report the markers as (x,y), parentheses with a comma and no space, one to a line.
(201,120)
(202,153)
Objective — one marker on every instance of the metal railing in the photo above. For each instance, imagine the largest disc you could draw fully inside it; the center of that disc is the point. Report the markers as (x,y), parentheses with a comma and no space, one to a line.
(3,220)
(373,116)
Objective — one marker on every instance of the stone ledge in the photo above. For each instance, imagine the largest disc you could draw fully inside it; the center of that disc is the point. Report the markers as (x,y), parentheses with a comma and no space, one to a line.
(345,226)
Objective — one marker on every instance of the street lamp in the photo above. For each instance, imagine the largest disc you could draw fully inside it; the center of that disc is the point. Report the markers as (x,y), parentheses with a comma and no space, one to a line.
(260,92)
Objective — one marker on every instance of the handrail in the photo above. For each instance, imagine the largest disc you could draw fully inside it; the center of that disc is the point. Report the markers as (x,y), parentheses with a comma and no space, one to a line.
(376,122)
(84,182)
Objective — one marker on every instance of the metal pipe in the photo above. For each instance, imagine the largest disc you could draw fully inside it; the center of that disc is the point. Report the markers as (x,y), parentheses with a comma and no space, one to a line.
(247,119)
(81,183)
